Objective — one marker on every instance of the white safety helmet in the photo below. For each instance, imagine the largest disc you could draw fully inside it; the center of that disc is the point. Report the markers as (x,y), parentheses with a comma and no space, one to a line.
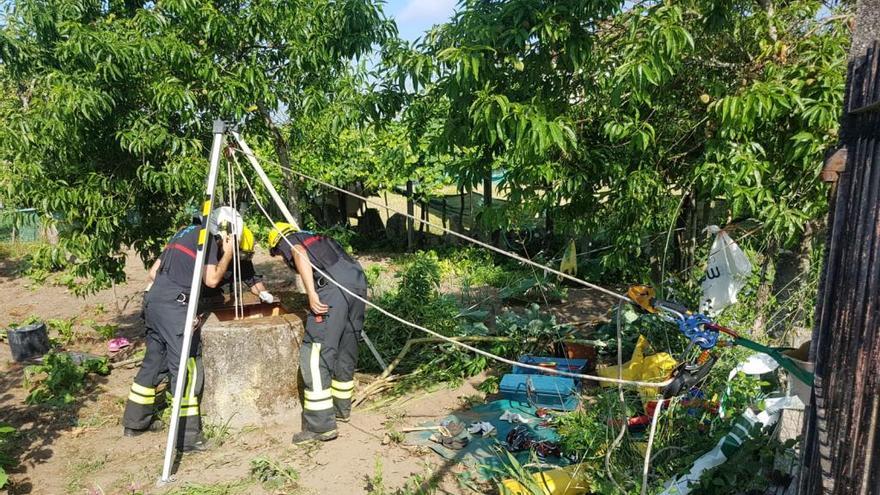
(225,215)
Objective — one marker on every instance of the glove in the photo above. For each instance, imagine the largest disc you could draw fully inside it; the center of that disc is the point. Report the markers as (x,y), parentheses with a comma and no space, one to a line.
(267,297)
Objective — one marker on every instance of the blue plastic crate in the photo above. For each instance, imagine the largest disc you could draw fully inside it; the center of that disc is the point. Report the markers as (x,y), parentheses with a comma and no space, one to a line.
(552,392)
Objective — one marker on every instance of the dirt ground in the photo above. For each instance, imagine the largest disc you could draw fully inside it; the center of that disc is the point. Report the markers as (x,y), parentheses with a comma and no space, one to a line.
(80,449)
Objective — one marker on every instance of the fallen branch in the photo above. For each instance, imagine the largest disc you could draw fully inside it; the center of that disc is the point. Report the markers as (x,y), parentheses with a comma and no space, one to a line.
(128,362)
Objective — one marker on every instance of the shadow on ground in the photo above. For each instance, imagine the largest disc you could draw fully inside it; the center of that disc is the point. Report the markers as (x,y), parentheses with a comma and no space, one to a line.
(38,426)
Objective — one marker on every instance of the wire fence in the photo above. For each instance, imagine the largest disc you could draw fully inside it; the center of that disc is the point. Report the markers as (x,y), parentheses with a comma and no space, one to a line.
(20,225)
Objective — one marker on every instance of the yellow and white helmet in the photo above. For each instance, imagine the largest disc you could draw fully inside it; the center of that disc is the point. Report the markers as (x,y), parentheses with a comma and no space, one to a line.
(278,230)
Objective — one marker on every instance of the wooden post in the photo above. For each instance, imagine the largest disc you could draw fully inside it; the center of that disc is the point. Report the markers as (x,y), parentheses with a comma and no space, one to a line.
(842,432)
(487,189)
(410,210)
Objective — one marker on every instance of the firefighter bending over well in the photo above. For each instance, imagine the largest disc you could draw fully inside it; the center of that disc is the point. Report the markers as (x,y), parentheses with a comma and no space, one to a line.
(165,317)
(328,354)
(248,273)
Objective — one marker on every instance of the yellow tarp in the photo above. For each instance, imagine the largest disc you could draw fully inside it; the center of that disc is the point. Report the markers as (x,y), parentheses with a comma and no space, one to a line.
(653,368)
(569,264)
(557,481)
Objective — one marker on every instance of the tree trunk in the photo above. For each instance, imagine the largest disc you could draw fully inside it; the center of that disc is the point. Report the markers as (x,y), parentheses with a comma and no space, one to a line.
(764,290)
(789,285)
(283,151)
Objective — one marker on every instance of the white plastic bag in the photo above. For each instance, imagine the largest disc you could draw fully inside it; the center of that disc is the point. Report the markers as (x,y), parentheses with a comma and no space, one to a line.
(726,273)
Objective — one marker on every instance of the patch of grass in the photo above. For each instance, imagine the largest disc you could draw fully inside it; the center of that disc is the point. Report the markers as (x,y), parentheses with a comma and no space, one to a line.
(217,432)
(469,401)
(106,330)
(392,420)
(490,385)
(95,421)
(229,488)
(274,475)
(81,470)
(396,436)
(376,482)
(417,484)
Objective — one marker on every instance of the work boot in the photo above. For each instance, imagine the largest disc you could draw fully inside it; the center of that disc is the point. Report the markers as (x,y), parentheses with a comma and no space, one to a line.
(199,444)
(306,436)
(343,419)
(155,425)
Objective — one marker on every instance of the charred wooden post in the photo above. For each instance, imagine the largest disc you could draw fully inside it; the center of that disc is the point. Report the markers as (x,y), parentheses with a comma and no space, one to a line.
(841,453)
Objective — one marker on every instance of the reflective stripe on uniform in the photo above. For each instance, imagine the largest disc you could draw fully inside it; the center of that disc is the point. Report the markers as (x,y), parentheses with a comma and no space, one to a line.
(142,390)
(191,376)
(189,411)
(342,390)
(319,405)
(317,395)
(315,367)
(343,386)
(342,394)
(139,399)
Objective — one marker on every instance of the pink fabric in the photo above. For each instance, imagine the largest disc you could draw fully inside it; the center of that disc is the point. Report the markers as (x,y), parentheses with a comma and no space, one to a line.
(117,344)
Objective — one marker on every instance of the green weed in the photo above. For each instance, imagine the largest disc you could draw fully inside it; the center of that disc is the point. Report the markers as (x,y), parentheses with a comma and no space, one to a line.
(469,401)
(58,379)
(217,432)
(376,482)
(65,329)
(107,330)
(274,475)
(751,469)
(7,461)
(490,385)
(81,470)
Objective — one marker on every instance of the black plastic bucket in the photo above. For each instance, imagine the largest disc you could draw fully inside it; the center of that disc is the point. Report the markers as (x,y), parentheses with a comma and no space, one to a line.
(28,341)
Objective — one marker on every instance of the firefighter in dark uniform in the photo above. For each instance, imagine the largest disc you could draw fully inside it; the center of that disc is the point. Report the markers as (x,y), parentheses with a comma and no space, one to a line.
(329,352)
(249,275)
(165,317)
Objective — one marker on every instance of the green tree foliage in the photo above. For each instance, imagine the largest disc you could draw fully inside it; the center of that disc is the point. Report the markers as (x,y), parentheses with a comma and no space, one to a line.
(109,117)
(605,116)
(609,115)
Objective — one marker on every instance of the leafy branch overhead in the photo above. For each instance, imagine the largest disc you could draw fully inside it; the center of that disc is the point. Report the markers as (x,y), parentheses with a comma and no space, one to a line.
(110,105)
(613,121)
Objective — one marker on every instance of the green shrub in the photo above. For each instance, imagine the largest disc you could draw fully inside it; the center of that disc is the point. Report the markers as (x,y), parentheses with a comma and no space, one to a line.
(7,435)
(752,468)
(58,379)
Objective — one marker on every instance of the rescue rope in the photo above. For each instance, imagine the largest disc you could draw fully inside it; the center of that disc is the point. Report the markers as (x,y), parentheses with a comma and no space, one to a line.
(478,242)
(647,466)
(444,338)
(238,302)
